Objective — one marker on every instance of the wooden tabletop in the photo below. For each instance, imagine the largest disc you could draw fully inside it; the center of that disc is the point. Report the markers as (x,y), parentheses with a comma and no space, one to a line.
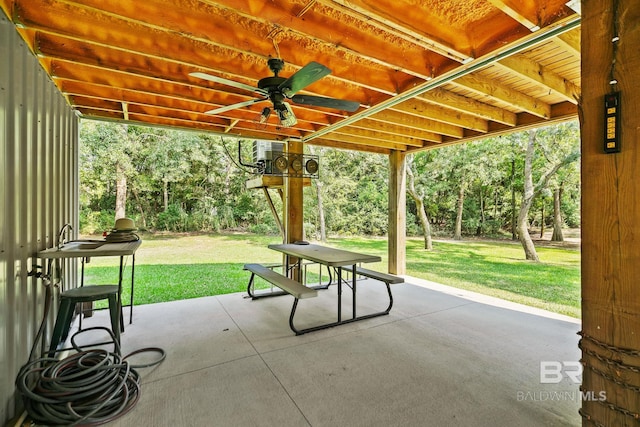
(324,255)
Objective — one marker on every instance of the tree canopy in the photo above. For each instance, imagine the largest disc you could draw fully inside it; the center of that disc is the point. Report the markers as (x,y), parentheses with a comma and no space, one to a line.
(189,181)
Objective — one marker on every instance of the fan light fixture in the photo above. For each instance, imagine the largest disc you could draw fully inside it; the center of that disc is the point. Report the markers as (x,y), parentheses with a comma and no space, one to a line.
(285,115)
(264,116)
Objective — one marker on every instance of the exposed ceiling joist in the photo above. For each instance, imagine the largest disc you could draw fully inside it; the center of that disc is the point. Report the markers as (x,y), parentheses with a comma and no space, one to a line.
(424,74)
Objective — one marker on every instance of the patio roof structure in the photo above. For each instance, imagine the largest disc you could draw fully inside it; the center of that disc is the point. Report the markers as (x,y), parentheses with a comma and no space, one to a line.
(423,74)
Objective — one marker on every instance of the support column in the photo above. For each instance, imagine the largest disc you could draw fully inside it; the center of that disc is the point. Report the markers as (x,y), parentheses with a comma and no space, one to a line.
(294,204)
(397,212)
(610,216)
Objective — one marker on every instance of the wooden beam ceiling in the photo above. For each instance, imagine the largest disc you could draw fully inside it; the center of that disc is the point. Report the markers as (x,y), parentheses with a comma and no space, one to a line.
(131,60)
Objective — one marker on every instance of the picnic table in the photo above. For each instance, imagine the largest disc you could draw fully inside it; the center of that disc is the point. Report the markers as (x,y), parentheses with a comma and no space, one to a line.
(338,259)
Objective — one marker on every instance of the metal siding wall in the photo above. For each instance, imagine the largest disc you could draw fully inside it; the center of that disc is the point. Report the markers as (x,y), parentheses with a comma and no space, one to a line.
(39,193)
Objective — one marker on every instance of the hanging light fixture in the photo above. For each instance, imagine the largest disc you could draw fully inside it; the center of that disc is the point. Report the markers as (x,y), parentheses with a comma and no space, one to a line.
(264,116)
(285,114)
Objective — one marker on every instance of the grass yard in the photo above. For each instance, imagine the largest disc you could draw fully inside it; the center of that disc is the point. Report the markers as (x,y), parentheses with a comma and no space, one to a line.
(499,269)
(172,267)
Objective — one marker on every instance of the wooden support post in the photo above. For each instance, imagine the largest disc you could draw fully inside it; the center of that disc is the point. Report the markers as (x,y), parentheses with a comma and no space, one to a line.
(397,212)
(294,204)
(610,216)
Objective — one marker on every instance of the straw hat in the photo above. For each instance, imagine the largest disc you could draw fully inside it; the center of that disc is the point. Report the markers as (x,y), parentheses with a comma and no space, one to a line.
(124,224)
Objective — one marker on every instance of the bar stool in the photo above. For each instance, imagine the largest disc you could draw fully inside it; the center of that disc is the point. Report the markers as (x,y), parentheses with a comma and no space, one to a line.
(68,301)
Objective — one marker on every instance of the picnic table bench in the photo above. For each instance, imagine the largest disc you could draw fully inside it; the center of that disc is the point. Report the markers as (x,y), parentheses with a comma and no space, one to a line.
(376,275)
(290,286)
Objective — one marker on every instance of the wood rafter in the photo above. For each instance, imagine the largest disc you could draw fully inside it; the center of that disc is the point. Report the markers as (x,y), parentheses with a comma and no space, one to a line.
(541,75)
(505,94)
(130,60)
(513,10)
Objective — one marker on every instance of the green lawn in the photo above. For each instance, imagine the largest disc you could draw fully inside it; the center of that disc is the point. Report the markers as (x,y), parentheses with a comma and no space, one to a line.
(172,267)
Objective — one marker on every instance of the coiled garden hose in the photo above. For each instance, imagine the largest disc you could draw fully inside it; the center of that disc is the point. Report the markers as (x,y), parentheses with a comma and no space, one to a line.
(90,387)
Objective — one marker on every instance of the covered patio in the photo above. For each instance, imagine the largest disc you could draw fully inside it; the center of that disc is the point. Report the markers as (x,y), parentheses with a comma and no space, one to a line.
(442,357)
(424,74)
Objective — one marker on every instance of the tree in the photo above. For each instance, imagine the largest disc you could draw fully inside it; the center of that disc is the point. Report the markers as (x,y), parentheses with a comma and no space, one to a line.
(557,235)
(558,147)
(320,204)
(109,148)
(418,196)
(188,181)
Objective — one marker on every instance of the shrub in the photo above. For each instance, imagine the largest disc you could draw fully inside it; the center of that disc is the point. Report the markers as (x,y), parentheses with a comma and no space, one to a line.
(92,222)
(173,219)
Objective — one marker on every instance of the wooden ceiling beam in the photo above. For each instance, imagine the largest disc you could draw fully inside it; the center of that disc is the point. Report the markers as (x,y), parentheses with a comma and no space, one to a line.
(533,14)
(272,127)
(441,114)
(504,93)
(73,77)
(173,123)
(132,37)
(513,11)
(392,129)
(389,21)
(342,145)
(205,98)
(94,90)
(380,25)
(381,136)
(440,96)
(561,112)
(338,29)
(460,27)
(570,42)
(214,24)
(338,136)
(416,122)
(162,122)
(540,75)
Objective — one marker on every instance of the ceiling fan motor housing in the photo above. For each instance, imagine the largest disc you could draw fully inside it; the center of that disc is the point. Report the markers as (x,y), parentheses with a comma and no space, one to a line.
(270,84)
(276,65)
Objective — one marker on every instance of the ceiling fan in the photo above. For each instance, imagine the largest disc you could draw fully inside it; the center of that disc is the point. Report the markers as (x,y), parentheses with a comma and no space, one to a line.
(279,89)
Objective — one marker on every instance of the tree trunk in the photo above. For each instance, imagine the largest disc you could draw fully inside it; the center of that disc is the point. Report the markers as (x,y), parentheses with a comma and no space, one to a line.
(323,229)
(482,216)
(527,199)
(557,216)
(514,234)
(121,181)
(530,191)
(142,216)
(165,194)
(121,193)
(458,233)
(523,234)
(542,220)
(424,222)
(419,200)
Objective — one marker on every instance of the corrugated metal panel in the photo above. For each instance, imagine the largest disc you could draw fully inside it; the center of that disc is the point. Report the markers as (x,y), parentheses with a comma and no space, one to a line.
(39,192)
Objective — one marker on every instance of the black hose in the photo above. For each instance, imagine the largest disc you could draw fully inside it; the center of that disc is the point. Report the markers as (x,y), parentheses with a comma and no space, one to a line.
(90,387)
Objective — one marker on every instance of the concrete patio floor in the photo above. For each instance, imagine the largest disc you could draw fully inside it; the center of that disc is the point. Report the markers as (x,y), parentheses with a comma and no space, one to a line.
(442,357)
